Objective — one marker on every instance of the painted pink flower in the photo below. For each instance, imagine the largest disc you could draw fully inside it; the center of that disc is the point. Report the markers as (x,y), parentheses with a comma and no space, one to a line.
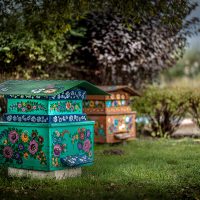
(33,147)
(19,105)
(57,150)
(13,136)
(82,135)
(34,107)
(86,145)
(7,152)
(23,109)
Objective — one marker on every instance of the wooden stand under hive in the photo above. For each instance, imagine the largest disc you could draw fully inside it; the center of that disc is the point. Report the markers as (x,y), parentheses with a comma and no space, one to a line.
(45,128)
(114,119)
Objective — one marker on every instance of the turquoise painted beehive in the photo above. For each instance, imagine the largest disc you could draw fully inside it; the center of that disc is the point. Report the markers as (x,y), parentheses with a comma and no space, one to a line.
(44,127)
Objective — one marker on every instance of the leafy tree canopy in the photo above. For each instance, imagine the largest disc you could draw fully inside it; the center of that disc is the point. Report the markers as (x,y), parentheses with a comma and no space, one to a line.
(121,39)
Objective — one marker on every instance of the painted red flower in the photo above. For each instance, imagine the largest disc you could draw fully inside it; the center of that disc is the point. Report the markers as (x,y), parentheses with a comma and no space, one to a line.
(29,106)
(68,105)
(34,134)
(82,135)
(41,139)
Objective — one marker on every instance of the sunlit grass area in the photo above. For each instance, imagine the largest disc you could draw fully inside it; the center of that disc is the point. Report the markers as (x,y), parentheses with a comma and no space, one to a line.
(148,169)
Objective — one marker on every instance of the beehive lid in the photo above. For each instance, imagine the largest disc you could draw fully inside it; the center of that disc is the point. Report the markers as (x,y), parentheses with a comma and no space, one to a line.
(115,88)
(47,87)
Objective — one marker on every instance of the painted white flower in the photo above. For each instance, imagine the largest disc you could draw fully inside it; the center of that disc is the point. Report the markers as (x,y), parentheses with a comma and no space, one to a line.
(14,118)
(55,119)
(71,118)
(9,118)
(39,119)
(35,91)
(33,119)
(4,89)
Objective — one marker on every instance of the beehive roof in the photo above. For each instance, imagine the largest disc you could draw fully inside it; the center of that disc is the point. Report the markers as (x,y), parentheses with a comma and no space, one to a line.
(47,87)
(114,88)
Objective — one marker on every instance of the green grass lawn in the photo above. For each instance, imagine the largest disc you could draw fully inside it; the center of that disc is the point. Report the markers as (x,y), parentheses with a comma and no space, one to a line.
(149,169)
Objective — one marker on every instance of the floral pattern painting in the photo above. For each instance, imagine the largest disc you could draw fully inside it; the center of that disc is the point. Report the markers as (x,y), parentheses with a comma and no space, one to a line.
(66,106)
(20,145)
(124,123)
(82,140)
(28,106)
(93,104)
(59,146)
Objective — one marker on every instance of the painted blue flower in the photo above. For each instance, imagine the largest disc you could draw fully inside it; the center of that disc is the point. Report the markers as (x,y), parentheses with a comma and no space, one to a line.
(108,104)
(17,155)
(21,147)
(88,132)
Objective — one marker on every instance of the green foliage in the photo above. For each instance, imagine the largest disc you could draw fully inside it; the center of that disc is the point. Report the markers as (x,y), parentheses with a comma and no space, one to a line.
(164,108)
(194,105)
(36,42)
(188,66)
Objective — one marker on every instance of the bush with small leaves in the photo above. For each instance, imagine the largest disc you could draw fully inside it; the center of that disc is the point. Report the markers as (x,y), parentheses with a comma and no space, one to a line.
(164,108)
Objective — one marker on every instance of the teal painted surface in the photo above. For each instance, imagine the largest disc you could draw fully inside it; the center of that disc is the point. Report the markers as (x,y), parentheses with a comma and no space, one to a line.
(27,106)
(65,107)
(47,87)
(66,141)
(24,147)
(33,146)
(43,107)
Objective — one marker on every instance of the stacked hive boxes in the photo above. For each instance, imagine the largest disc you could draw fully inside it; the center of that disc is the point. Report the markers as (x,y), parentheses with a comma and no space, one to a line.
(113,115)
(44,127)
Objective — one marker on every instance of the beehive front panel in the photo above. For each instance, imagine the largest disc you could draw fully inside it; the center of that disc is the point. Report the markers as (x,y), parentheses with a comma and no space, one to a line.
(70,144)
(65,107)
(120,124)
(24,147)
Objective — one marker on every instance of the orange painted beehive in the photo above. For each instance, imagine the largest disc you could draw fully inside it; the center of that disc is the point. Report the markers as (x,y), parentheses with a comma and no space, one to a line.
(113,116)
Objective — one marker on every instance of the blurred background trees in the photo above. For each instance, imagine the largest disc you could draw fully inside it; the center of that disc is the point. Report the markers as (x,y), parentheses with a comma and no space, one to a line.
(105,42)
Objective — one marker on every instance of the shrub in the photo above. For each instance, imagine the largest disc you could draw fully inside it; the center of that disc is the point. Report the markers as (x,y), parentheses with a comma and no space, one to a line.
(194,105)
(163,108)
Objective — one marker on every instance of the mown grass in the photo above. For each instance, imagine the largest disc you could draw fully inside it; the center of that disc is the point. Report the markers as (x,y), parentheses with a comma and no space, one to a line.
(149,169)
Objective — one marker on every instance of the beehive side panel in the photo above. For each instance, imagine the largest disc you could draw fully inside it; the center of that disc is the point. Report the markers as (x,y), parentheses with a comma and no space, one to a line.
(99,128)
(71,141)
(24,147)
(27,106)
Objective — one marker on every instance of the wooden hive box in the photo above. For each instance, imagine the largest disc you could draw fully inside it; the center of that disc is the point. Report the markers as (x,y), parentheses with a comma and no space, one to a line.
(45,127)
(114,119)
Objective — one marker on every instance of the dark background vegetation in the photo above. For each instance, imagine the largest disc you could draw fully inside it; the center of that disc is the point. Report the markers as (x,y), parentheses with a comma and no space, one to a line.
(105,42)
